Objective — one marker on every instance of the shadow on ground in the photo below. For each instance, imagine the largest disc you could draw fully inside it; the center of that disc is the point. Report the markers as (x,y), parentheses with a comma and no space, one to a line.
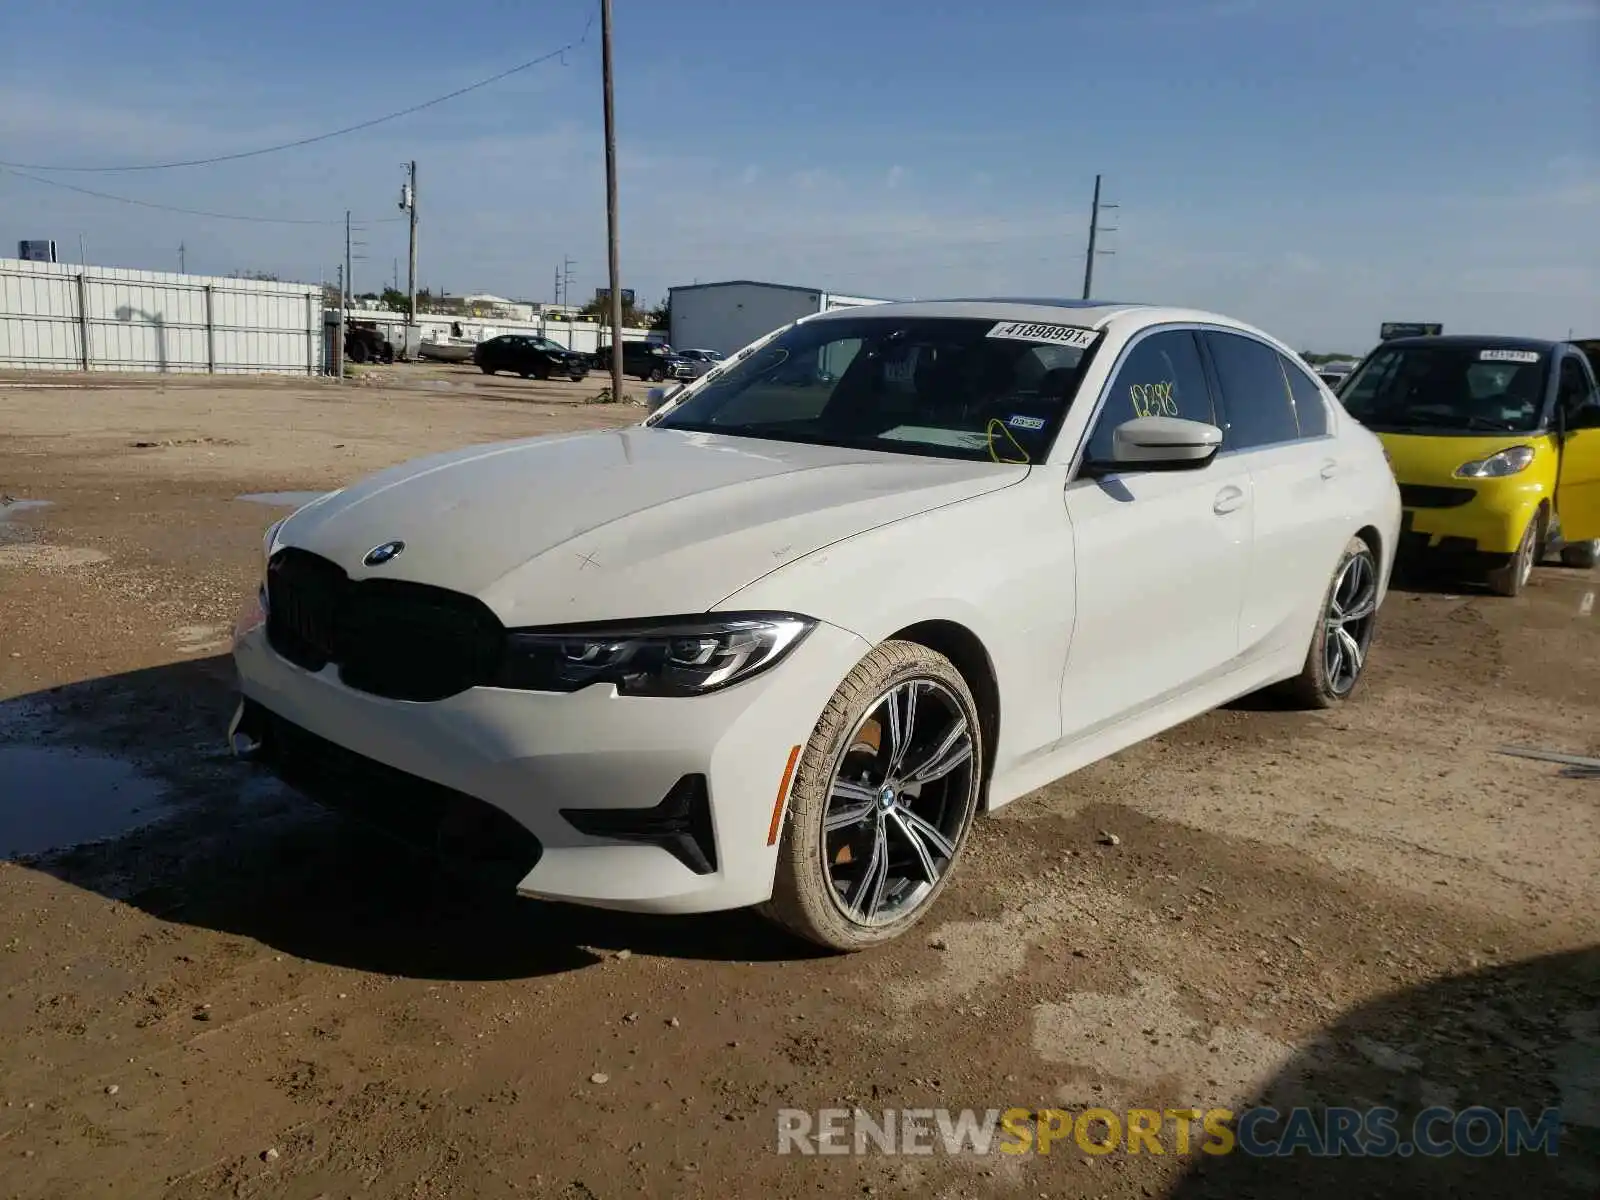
(1522,1036)
(243,855)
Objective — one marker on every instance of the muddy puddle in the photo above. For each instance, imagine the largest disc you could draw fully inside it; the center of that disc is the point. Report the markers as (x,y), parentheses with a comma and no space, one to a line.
(53,797)
(10,506)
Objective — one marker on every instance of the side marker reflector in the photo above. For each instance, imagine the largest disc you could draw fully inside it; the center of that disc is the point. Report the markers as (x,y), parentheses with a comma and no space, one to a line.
(783,794)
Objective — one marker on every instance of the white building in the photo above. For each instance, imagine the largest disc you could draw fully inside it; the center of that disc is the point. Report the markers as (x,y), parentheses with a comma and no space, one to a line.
(499,306)
(729,316)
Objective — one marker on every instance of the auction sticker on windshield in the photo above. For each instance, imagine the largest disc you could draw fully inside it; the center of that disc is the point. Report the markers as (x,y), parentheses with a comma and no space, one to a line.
(1055,335)
(1522,356)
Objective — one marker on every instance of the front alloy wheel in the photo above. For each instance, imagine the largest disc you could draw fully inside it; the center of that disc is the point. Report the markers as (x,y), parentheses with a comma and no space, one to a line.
(882,800)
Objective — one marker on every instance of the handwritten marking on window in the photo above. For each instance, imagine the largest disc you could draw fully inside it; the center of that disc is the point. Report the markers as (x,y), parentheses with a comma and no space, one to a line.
(997,430)
(1153,399)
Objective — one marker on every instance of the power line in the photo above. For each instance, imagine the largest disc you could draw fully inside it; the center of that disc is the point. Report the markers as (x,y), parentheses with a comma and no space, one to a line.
(559,52)
(188,212)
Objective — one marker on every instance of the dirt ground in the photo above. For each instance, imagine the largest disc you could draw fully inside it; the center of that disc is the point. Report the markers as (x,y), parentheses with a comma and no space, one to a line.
(249,997)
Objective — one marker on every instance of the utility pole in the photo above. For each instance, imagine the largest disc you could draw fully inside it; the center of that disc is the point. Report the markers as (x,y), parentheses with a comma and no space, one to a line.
(182,267)
(558,288)
(348,291)
(339,347)
(408,202)
(1094,231)
(612,252)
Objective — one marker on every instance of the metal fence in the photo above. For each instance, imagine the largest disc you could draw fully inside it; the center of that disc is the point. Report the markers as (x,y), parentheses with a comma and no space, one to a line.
(57,317)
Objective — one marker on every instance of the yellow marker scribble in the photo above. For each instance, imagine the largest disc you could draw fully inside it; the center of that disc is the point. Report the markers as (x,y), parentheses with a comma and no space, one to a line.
(997,423)
(1153,399)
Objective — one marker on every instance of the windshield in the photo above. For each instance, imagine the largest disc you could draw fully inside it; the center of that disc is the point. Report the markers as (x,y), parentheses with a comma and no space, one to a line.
(950,388)
(1449,388)
(547,344)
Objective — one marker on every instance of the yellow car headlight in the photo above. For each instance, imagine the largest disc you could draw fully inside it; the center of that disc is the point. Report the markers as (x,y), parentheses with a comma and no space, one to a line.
(1510,461)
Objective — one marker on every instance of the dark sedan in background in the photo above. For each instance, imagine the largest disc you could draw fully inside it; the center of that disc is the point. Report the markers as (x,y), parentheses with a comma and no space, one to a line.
(530,356)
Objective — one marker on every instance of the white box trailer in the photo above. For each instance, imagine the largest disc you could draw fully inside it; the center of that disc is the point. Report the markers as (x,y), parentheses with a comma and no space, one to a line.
(729,316)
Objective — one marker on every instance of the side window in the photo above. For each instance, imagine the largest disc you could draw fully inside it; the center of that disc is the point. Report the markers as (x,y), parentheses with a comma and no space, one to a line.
(1260,412)
(1162,377)
(1309,409)
(1576,391)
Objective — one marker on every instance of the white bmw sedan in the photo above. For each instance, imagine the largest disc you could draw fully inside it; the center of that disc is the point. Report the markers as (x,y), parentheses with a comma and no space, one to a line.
(780,644)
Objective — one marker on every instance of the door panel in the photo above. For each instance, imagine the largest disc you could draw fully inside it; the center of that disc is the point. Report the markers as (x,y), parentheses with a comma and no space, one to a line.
(1161,556)
(1300,528)
(1277,425)
(1578,492)
(1161,564)
(1578,482)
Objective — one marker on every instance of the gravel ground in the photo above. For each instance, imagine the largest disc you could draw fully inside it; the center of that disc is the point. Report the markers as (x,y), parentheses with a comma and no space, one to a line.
(209,987)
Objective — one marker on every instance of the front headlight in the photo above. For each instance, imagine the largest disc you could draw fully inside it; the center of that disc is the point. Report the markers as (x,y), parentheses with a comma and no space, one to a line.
(1509,461)
(685,656)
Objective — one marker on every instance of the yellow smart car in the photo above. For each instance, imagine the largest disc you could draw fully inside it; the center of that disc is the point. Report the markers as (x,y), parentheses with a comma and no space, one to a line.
(1495,442)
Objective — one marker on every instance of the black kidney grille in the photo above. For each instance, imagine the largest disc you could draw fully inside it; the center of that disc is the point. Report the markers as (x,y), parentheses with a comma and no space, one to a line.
(401,640)
(303,592)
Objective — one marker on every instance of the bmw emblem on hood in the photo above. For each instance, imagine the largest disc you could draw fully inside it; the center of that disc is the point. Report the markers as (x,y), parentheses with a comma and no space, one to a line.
(379,555)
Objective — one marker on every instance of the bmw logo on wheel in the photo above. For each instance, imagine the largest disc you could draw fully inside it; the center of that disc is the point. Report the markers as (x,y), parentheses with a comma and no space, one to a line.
(379,555)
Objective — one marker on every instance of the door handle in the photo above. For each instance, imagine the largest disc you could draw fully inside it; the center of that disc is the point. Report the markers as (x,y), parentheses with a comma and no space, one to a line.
(1228,499)
(1330,468)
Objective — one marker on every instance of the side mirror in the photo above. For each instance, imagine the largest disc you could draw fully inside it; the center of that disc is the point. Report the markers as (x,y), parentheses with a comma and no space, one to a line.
(1159,444)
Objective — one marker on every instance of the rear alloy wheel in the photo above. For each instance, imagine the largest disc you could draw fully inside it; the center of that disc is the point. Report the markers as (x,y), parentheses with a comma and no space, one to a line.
(882,800)
(1512,578)
(1338,654)
(1581,554)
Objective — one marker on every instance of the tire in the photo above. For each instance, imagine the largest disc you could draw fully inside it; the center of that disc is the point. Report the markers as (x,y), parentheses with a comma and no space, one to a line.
(1512,577)
(851,735)
(1581,554)
(486,370)
(357,352)
(577,378)
(1326,680)
(657,375)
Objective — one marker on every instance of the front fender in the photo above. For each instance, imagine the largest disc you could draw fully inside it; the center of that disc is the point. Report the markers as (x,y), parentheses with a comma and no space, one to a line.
(999,565)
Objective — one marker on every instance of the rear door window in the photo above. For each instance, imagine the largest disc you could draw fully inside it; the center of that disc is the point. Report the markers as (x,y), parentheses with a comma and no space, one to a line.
(1259,409)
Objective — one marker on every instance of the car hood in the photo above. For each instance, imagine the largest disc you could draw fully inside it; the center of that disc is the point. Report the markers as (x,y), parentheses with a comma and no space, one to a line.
(622,523)
(1423,458)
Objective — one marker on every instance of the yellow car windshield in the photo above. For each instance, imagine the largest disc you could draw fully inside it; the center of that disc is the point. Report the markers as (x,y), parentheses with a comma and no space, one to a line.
(1450,388)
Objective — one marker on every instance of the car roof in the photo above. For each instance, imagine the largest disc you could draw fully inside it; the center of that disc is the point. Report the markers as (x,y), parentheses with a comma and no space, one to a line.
(1491,340)
(1090,314)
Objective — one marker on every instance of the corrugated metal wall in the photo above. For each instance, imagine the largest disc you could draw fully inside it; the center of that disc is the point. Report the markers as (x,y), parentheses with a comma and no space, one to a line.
(155,321)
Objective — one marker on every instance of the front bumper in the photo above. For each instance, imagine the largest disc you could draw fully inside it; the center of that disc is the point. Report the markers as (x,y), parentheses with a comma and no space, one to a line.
(530,755)
(1466,516)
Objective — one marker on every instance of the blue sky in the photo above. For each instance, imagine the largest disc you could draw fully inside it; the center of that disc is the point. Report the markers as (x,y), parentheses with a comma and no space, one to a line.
(1313,166)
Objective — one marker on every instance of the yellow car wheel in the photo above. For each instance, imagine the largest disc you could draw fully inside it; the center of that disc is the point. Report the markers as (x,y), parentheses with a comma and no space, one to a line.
(1581,554)
(1510,579)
